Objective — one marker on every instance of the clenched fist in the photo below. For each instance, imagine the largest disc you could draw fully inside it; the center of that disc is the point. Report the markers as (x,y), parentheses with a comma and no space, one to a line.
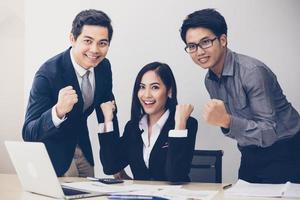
(108,108)
(67,97)
(183,112)
(215,113)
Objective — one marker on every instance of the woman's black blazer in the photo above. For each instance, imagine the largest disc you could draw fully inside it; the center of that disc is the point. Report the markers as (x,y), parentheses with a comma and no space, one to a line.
(170,158)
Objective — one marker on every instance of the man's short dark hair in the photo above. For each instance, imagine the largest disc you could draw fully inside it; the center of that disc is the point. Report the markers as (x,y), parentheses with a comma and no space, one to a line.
(207,18)
(91,17)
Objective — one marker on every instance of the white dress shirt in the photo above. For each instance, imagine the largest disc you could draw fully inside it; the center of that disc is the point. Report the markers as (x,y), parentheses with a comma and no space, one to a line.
(156,130)
(80,71)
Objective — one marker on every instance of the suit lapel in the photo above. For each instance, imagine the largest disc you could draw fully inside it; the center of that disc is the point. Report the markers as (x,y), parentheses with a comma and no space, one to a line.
(140,146)
(162,138)
(70,78)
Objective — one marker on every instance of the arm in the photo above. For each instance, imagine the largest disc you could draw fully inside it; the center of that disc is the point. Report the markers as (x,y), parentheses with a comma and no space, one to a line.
(38,123)
(113,155)
(110,153)
(105,94)
(259,128)
(38,120)
(180,151)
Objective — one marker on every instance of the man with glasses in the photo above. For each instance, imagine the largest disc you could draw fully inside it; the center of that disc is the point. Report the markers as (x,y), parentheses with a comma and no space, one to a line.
(247,102)
(65,91)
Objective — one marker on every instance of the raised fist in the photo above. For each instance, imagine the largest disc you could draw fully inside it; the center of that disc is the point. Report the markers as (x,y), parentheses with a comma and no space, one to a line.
(183,112)
(215,113)
(108,109)
(67,97)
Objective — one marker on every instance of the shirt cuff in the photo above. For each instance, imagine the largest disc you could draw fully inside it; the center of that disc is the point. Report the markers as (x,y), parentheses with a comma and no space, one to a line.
(109,127)
(56,121)
(178,133)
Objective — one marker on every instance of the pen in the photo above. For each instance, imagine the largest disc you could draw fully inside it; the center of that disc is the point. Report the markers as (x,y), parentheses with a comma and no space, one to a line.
(227,186)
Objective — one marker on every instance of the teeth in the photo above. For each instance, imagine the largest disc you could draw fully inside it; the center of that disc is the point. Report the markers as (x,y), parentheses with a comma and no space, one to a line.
(92,56)
(148,102)
(203,60)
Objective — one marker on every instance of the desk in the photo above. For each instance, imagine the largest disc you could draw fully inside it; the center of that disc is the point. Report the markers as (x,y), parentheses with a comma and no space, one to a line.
(10,189)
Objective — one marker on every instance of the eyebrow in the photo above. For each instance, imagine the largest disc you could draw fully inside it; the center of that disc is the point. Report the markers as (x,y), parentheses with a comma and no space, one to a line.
(89,37)
(204,38)
(155,83)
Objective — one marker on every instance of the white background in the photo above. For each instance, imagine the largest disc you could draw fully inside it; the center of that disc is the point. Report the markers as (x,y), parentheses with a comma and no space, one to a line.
(146,31)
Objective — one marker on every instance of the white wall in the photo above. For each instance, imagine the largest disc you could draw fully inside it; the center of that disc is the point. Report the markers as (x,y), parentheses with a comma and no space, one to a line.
(149,30)
(12,76)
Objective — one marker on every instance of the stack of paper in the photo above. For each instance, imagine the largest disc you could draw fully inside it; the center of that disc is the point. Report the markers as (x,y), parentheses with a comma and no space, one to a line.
(166,191)
(176,194)
(243,188)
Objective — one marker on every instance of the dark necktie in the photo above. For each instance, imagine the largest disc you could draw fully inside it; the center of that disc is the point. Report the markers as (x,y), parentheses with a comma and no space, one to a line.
(87,91)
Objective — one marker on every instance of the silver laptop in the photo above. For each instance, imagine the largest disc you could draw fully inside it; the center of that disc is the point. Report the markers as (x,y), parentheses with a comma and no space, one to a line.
(36,172)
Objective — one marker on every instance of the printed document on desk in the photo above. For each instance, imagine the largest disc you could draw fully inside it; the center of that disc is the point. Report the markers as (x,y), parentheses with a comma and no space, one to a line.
(120,188)
(176,194)
(243,188)
(166,191)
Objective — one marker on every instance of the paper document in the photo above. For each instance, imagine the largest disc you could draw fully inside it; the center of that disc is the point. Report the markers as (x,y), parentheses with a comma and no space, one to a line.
(166,191)
(113,189)
(292,190)
(177,194)
(243,188)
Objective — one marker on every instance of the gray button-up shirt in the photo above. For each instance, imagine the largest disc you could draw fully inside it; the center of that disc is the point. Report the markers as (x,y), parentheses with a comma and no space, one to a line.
(260,112)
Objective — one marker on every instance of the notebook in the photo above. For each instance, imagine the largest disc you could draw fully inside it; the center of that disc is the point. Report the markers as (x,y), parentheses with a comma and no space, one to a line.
(36,173)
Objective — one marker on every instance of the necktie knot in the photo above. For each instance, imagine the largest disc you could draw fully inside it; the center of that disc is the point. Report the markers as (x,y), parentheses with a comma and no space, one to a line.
(87,73)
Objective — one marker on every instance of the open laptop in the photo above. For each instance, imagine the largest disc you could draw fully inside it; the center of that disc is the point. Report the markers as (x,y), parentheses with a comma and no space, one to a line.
(36,172)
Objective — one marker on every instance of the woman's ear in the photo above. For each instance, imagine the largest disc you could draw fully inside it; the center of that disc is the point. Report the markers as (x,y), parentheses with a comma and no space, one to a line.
(170,93)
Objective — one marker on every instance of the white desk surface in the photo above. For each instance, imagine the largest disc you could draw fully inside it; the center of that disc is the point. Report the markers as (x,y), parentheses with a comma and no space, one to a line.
(10,189)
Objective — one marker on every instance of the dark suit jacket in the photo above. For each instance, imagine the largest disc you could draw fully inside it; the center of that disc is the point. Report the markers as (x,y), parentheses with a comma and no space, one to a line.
(170,158)
(57,73)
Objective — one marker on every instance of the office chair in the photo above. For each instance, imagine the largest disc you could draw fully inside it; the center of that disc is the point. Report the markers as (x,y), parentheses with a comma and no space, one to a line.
(206,166)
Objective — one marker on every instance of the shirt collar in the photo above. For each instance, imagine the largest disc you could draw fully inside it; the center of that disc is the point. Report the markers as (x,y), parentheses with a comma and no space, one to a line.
(79,70)
(227,67)
(160,123)
(228,64)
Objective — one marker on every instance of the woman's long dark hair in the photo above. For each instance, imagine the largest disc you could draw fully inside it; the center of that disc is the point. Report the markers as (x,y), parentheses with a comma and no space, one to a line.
(166,75)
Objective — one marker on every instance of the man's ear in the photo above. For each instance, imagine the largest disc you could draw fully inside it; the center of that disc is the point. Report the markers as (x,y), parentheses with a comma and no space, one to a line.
(223,40)
(72,38)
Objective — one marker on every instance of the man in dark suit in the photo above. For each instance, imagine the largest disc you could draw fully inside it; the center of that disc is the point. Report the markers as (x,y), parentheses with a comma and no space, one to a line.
(65,91)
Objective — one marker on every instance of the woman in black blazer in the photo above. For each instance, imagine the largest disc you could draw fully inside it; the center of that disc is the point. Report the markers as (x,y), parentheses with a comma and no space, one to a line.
(158,142)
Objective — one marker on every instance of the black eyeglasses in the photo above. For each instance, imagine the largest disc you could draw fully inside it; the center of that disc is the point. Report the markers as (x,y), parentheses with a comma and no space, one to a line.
(203,44)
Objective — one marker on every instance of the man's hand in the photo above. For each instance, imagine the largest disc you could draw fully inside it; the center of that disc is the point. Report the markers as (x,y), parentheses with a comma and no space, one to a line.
(215,113)
(183,112)
(108,108)
(67,97)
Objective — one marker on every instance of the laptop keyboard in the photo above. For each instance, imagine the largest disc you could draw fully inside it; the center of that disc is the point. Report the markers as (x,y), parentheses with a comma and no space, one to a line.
(71,192)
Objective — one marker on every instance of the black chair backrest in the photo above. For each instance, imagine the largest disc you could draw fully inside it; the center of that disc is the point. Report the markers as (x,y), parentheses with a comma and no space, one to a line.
(207,166)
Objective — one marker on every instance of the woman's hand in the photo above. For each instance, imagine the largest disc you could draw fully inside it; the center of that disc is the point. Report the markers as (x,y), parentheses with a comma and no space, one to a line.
(108,109)
(183,112)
